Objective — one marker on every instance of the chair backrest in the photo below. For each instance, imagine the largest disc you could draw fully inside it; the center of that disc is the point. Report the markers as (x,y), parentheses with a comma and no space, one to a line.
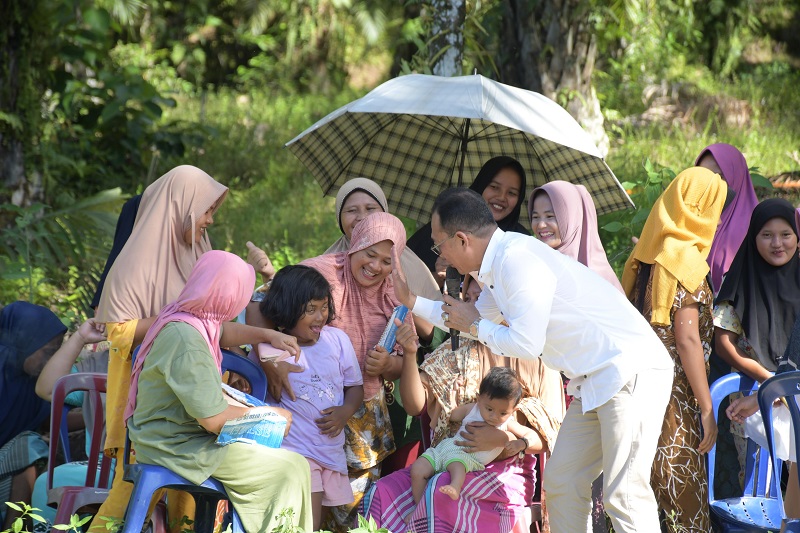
(758,467)
(786,384)
(246,368)
(92,384)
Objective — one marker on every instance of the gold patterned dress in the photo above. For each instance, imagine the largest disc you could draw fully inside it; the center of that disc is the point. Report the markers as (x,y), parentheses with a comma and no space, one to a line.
(679,477)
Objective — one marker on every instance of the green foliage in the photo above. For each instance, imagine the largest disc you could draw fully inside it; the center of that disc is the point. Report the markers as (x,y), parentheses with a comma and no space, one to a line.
(27,513)
(53,255)
(477,53)
(103,122)
(618,228)
(273,201)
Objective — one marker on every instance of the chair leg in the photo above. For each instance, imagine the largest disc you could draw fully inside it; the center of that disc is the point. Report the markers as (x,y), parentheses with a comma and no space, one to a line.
(65,509)
(136,514)
(205,512)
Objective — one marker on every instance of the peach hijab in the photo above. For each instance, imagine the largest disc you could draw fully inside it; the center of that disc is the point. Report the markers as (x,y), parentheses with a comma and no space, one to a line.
(155,262)
(363,312)
(577,222)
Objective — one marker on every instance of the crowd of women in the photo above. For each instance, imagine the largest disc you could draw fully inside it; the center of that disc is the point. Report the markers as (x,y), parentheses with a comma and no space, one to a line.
(713,271)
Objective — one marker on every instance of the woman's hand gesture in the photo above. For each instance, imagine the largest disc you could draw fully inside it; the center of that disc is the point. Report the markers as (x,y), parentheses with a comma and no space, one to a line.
(333,420)
(480,436)
(378,361)
(260,261)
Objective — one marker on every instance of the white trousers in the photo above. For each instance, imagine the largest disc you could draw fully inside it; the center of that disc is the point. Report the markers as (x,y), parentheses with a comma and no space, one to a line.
(619,439)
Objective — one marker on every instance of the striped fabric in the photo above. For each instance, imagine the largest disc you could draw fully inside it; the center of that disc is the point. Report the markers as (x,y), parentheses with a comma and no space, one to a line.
(18,454)
(414,157)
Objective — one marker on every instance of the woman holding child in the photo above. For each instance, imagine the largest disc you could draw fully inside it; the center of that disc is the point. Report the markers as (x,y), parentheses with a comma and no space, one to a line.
(500,493)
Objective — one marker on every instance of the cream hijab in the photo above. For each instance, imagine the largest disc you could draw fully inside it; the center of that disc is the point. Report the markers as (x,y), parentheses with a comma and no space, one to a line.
(420,279)
(152,268)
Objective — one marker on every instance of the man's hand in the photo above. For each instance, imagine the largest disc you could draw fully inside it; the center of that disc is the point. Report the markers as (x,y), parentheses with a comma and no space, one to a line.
(741,408)
(459,315)
(260,261)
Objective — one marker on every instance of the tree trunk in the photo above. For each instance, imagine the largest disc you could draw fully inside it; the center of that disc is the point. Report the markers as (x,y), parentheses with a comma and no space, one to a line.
(549,46)
(446,50)
(19,102)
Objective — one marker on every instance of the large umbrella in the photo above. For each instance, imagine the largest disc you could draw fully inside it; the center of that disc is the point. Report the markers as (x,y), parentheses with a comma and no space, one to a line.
(417,135)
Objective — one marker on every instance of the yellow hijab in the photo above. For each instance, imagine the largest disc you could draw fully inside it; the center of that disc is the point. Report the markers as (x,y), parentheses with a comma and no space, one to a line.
(677,237)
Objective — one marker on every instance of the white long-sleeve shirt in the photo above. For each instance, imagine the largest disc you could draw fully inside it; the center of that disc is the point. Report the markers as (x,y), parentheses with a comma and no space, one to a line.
(556,307)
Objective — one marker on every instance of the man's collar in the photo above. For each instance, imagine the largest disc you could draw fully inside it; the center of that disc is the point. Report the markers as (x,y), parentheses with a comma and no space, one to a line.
(485,273)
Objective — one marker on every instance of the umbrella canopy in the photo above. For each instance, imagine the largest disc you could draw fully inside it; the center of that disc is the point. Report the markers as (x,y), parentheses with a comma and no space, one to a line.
(417,135)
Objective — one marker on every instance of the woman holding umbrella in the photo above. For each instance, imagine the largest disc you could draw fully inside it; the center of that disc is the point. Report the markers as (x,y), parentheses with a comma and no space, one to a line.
(501,182)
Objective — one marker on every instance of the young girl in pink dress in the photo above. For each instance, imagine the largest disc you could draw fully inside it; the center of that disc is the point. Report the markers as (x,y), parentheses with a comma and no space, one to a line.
(329,389)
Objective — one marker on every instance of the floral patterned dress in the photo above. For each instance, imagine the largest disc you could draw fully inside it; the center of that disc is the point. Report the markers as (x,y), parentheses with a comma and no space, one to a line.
(679,473)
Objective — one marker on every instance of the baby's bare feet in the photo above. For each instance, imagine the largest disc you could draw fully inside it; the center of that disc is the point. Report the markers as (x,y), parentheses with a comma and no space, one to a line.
(451,491)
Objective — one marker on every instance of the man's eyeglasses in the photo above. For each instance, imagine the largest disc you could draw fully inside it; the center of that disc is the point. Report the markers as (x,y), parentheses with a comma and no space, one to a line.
(435,248)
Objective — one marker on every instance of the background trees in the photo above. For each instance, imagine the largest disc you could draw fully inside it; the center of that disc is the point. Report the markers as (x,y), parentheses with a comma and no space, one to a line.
(100,97)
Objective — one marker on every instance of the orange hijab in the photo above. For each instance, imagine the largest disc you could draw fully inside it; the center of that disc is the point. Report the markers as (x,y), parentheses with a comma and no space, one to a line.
(155,262)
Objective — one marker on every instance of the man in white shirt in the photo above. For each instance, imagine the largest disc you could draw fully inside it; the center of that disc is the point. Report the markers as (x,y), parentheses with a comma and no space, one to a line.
(620,373)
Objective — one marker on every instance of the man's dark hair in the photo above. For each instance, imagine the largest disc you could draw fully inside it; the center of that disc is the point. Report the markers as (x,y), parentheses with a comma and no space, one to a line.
(462,209)
(289,293)
(501,382)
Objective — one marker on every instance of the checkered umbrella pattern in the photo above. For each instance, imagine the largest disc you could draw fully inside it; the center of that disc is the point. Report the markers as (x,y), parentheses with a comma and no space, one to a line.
(416,155)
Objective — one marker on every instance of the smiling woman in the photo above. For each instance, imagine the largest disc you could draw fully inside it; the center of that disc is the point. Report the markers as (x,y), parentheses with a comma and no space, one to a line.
(501,182)
(356,200)
(364,298)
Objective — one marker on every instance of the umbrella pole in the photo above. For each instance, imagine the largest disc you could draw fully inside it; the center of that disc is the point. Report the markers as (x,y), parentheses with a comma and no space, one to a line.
(464,141)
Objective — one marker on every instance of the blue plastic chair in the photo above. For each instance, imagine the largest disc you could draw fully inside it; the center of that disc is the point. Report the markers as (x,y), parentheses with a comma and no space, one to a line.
(252,372)
(786,384)
(147,479)
(760,507)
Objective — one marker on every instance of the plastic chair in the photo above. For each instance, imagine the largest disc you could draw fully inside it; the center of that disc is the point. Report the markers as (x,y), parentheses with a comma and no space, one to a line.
(94,491)
(786,384)
(147,479)
(246,368)
(760,506)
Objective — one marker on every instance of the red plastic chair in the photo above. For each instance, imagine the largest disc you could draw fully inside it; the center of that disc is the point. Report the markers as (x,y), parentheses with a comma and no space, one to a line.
(70,499)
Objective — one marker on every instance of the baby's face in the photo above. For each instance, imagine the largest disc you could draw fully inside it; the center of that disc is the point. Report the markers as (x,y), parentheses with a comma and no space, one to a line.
(495,411)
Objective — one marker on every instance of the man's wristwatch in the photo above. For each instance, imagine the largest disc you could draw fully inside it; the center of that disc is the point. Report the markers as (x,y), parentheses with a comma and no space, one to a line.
(473,328)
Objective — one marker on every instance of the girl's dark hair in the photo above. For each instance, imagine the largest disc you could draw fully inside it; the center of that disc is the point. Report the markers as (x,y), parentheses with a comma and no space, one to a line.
(291,290)
(501,382)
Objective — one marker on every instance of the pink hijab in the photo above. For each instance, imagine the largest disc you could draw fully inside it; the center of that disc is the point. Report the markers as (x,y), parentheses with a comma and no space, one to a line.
(577,222)
(735,219)
(218,288)
(363,312)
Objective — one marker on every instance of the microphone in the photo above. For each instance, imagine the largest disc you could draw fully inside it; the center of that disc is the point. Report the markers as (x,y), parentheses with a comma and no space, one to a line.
(452,283)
